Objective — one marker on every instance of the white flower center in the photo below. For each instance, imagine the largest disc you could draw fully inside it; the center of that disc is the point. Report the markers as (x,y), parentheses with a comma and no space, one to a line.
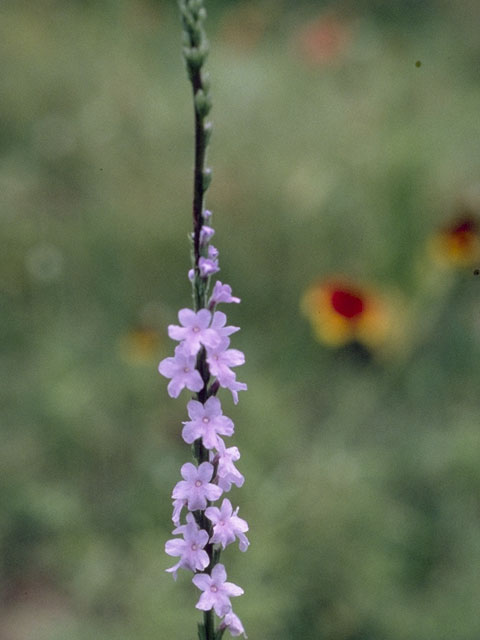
(215,357)
(214,588)
(186,369)
(206,420)
(196,329)
(194,547)
(198,483)
(221,523)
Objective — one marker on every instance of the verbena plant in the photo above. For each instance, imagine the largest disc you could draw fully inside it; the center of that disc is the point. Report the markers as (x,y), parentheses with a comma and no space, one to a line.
(203,364)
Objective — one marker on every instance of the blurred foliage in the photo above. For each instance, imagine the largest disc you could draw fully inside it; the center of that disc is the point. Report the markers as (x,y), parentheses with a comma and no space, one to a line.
(333,153)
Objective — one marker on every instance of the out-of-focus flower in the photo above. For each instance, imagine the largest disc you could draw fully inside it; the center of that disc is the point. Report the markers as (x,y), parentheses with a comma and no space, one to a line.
(341,312)
(139,345)
(323,40)
(457,244)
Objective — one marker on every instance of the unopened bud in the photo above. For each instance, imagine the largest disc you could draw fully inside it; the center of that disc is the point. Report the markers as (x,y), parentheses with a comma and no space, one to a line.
(207,179)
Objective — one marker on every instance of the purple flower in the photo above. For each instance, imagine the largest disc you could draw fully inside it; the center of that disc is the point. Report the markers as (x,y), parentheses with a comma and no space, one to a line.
(196,487)
(227,525)
(207,214)
(227,473)
(212,252)
(221,293)
(206,234)
(233,623)
(181,370)
(194,330)
(220,359)
(216,592)
(218,323)
(207,266)
(207,421)
(190,549)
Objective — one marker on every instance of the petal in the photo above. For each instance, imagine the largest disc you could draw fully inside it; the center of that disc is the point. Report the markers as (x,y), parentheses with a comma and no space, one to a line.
(219,574)
(213,492)
(219,320)
(194,382)
(213,407)
(196,409)
(181,490)
(202,560)
(205,472)
(202,581)
(202,538)
(189,471)
(210,338)
(234,357)
(222,605)
(239,523)
(209,439)
(168,367)
(213,514)
(233,589)
(191,432)
(197,500)
(224,425)
(203,318)
(187,317)
(175,547)
(174,569)
(176,333)
(243,542)
(175,387)
(226,509)
(206,601)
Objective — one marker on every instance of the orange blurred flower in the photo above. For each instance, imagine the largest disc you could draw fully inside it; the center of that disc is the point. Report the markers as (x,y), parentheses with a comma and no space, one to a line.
(323,40)
(341,312)
(458,243)
(140,345)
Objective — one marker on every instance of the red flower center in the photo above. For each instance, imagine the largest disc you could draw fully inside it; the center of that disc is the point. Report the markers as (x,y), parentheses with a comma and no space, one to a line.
(347,304)
(466,226)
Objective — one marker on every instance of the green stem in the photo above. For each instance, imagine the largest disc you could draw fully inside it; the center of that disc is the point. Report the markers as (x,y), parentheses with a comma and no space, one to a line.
(195,53)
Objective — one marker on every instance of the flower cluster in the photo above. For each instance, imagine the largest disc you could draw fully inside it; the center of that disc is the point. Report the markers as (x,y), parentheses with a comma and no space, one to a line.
(203,363)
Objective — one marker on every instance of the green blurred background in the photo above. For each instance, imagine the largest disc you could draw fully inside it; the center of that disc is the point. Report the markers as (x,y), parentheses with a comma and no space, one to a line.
(362,474)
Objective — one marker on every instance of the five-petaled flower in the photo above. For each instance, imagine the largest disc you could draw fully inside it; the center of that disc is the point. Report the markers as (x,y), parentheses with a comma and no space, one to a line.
(227,525)
(181,370)
(194,331)
(196,487)
(206,422)
(216,591)
(190,549)
(227,472)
